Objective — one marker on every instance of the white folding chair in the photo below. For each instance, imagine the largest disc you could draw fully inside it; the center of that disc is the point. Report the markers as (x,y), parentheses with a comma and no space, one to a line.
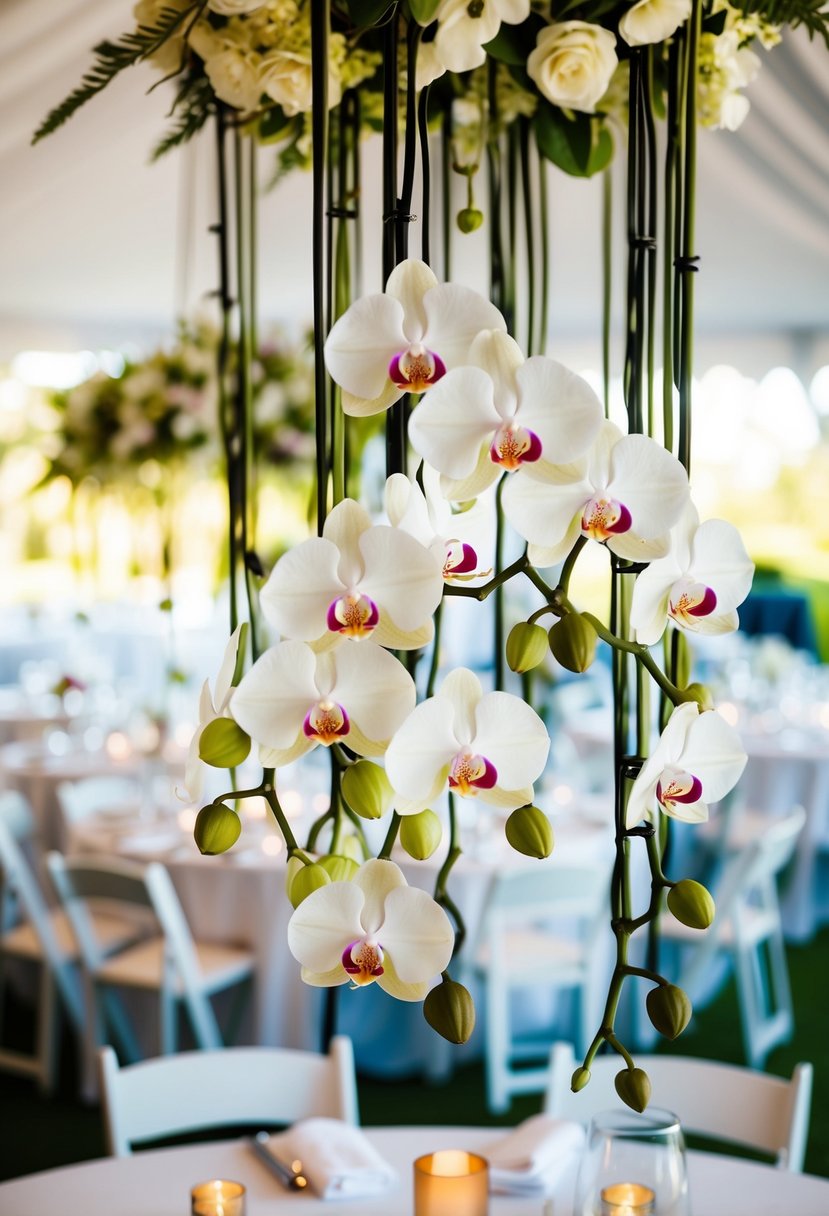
(540,931)
(183,971)
(200,1090)
(748,929)
(721,1101)
(33,932)
(94,795)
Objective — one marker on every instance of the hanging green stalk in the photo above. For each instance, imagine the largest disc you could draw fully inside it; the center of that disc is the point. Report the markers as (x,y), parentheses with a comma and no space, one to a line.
(668,238)
(688,262)
(529,230)
(607,281)
(320,21)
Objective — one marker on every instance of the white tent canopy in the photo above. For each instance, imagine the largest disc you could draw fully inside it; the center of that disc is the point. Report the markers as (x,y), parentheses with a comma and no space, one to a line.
(93,245)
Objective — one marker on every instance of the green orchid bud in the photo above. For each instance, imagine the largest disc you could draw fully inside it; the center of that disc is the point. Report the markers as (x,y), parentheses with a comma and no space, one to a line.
(309,878)
(634,1088)
(367,789)
(469,219)
(526,646)
(450,1010)
(669,1009)
(528,830)
(217,829)
(573,642)
(699,693)
(691,903)
(350,847)
(579,1079)
(223,743)
(339,868)
(295,864)
(421,834)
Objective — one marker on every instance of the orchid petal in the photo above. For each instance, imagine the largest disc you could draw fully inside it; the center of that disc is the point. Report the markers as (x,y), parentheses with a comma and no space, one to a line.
(510,734)
(301,586)
(344,526)
(376,880)
(279,757)
(417,934)
(392,984)
(513,12)
(455,316)
(500,356)
(387,634)
(406,507)
(403,578)
(713,753)
(365,407)
(273,698)
(649,606)
(485,474)
(324,923)
(559,407)
(362,343)
(375,689)
(506,800)
(542,556)
(713,626)
(421,749)
(453,420)
(688,812)
(543,512)
(462,689)
(325,979)
(650,482)
(408,283)
(635,548)
(226,671)
(719,560)
(408,806)
(207,710)
(193,770)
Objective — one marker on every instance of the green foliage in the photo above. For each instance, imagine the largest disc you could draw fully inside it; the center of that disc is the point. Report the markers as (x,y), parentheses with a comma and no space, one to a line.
(111,59)
(424,11)
(577,143)
(192,108)
(513,43)
(367,12)
(812,14)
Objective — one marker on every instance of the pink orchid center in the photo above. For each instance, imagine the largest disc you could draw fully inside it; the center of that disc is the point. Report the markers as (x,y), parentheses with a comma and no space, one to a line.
(326,722)
(363,960)
(470,773)
(688,601)
(416,369)
(675,786)
(461,561)
(353,615)
(605,517)
(513,446)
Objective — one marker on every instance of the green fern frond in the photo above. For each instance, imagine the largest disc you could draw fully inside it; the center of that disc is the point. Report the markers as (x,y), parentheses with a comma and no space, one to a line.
(192,108)
(812,14)
(112,58)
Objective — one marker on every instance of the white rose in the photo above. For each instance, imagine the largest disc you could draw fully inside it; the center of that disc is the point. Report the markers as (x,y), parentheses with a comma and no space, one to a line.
(286,78)
(231,8)
(205,41)
(235,78)
(653,21)
(572,64)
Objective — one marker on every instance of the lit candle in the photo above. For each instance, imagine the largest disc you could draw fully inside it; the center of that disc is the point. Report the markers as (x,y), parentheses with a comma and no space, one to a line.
(451,1183)
(627,1199)
(217,1198)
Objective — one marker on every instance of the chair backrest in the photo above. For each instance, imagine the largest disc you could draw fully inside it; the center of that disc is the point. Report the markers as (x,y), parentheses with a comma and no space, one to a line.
(753,868)
(735,1105)
(199,1090)
(81,880)
(79,799)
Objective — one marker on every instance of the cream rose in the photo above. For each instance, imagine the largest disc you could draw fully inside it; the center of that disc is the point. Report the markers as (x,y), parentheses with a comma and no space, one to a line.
(653,21)
(286,78)
(231,8)
(572,64)
(234,76)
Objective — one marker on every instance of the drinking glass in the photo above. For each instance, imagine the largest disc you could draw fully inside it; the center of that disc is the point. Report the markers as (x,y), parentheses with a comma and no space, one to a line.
(633,1165)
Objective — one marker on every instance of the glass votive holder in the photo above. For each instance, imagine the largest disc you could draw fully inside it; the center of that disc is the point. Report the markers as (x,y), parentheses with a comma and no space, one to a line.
(633,1165)
(219,1197)
(451,1183)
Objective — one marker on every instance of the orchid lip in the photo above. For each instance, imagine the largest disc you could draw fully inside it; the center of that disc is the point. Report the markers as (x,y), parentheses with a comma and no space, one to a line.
(363,961)
(678,787)
(513,446)
(326,722)
(416,369)
(469,773)
(603,518)
(694,600)
(460,559)
(353,615)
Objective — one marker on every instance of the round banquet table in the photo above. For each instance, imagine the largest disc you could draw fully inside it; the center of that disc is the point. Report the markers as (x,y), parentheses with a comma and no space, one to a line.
(159,1183)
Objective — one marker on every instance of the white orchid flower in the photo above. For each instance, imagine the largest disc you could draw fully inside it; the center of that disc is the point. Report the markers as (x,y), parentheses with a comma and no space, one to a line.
(698,585)
(651,21)
(404,340)
(626,493)
(212,705)
(375,928)
(357,580)
(503,413)
(464,28)
(294,699)
(455,539)
(697,760)
(490,745)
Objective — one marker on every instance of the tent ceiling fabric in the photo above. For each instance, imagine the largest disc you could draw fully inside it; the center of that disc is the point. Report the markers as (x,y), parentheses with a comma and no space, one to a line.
(92,248)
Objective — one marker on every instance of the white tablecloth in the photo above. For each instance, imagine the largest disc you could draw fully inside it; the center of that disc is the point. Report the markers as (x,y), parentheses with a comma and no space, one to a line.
(158,1183)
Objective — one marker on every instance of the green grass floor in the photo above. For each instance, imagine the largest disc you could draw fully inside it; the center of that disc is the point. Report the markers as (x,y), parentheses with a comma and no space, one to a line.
(40,1133)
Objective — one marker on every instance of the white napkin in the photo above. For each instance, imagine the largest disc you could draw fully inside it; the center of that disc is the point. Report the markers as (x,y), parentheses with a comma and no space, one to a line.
(533,1158)
(337,1159)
